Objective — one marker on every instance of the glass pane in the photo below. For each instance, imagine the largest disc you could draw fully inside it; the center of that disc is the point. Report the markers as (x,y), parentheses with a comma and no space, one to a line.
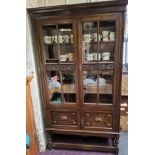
(107,43)
(69,87)
(54,87)
(90,86)
(66,43)
(50,44)
(90,38)
(105,81)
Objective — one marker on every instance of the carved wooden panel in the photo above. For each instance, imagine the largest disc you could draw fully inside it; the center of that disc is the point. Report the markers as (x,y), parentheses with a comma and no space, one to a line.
(63,118)
(98,120)
(95,66)
(109,66)
(67,67)
(89,67)
(60,67)
(106,66)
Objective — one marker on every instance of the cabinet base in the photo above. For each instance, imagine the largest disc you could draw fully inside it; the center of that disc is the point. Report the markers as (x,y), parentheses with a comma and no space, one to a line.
(89,143)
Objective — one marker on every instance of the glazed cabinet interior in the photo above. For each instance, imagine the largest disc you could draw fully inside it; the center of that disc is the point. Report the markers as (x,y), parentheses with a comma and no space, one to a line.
(79,63)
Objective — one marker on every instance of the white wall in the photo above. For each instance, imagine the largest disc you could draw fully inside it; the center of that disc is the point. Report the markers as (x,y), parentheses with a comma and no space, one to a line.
(42,3)
(31,71)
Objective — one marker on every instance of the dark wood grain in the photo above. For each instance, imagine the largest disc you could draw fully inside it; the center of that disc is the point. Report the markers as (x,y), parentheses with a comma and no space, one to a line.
(101,120)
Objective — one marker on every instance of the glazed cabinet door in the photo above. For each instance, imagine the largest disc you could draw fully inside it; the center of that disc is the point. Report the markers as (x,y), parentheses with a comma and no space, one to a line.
(59,60)
(99,59)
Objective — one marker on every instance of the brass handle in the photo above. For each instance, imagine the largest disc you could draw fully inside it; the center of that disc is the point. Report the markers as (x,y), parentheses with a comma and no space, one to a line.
(98,119)
(63,118)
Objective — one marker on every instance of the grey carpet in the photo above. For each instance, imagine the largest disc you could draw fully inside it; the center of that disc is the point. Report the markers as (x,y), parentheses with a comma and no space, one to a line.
(72,152)
(123,143)
(123,146)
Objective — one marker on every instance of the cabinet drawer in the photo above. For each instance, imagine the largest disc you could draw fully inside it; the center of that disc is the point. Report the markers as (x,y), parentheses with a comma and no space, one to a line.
(98,120)
(63,118)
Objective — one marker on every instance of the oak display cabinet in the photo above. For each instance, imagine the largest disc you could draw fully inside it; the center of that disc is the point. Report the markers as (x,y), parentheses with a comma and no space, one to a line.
(78,51)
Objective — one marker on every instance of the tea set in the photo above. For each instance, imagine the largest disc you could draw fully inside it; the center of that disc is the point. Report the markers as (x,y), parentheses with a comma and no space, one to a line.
(61,39)
(102,56)
(105,36)
(67,57)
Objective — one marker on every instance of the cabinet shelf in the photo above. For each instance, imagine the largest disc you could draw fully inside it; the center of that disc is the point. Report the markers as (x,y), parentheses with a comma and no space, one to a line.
(60,44)
(52,61)
(100,62)
(82,142)
(56,61)
(101,28)
(72,62)
(106,62)
(79,140)
(101,42)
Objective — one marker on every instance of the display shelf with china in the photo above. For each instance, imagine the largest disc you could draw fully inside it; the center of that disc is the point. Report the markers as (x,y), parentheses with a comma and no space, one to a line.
(95,35)
(58,43)
(79,56)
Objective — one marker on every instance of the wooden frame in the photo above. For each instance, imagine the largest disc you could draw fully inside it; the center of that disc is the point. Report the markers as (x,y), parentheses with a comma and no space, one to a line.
(75,14)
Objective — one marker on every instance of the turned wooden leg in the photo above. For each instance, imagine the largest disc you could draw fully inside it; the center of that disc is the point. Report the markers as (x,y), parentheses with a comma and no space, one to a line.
(116,144)
(49,140)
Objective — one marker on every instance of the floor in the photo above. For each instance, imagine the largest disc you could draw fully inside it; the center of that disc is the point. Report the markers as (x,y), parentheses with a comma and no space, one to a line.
(123,145)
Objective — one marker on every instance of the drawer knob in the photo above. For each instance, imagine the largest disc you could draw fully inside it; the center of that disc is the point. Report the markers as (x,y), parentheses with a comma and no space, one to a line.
(64,118)
(98,119)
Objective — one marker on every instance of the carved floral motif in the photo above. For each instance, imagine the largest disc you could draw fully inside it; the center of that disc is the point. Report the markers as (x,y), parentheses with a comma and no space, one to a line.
(98,120)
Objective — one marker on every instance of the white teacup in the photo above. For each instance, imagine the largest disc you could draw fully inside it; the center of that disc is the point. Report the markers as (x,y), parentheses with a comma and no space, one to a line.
(95,37)
(112,36)
(61,39)
(87,38)
(63,58)
(106,56)
(66,38)
(54,39)
(89,57)
(105,35)
(71,56)
(47,39)
(71,38)
(95,56)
